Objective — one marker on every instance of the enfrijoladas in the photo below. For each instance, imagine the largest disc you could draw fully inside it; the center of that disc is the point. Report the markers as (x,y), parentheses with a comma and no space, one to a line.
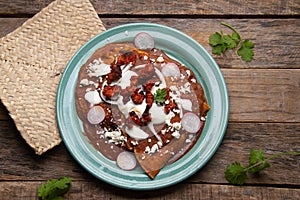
(142,102)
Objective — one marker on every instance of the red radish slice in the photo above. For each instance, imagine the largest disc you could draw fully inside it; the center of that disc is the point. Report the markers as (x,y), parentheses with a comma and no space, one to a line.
(126,160)
(144,41)
(96,115)
(170,69)
(191,122)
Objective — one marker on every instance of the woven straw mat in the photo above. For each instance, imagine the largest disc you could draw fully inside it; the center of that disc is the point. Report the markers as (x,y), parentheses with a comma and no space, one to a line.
(32,59)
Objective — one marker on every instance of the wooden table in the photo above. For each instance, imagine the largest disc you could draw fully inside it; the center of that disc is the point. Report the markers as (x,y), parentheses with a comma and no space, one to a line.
(264,102)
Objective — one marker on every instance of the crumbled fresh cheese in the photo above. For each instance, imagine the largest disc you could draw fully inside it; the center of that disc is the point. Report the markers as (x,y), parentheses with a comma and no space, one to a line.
(160,144)
(84,82)
(176,125)
(145,57)
(115,137)
(176,134)
(188,72)
(92,97)
(160,59)
(152,60)
(182,76)
(147,150)
(134,143)
(193,80)
(154,148)
(98,68)
(188,141)
(143,157)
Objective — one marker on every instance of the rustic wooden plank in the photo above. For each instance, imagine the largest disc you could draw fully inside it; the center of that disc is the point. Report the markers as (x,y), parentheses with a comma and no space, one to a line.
(18,161)
(276,41)
(263,95)
(168,7)
(95,190)
(259,95)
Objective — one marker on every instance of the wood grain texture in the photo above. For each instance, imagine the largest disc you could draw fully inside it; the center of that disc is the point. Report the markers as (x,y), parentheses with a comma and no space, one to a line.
(168,7)
(20,163)
(275,47)
(97,190)
(264,102)
(259,95)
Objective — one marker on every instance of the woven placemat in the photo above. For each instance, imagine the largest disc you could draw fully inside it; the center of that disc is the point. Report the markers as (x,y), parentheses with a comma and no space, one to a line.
(32,60)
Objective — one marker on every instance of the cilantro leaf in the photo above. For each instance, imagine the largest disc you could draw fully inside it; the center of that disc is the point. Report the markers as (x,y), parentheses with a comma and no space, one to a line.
(219,49)
(236,174)
(230,42)
(215,39)
(220,43)
(245,51)
(236,37)
(257,161)
(160,95)
(54,189)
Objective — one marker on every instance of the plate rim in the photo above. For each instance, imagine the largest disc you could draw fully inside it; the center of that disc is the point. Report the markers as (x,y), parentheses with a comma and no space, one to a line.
(216,70)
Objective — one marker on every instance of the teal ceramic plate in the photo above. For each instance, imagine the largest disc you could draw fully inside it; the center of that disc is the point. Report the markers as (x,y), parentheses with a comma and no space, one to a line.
(180,47)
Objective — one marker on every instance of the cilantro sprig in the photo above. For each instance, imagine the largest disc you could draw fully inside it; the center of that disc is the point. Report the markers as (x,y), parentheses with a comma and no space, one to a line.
(160,95)
(54,189)
(221,42)
(237,174)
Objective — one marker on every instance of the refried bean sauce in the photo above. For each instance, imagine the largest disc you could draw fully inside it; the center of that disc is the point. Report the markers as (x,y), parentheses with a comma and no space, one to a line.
(151,105)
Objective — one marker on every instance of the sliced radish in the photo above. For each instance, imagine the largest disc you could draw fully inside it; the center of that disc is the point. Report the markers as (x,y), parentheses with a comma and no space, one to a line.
(191,122)
(171,69)
(126,160)
(144,41)
(96,115)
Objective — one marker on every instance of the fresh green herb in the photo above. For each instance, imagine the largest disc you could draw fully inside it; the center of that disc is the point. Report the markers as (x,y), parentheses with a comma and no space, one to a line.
(160,95)
(237,174)
(54,189)
(221,42)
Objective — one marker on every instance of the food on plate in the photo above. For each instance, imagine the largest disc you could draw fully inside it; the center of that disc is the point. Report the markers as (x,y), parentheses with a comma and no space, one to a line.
(138,106)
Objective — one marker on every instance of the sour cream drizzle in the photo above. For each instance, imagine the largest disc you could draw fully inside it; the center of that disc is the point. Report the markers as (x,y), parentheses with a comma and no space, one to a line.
(158,115)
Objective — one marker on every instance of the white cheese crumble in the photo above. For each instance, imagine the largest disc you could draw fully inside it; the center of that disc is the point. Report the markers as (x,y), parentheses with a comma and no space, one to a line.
(98,68)
(176,134)
(92,97)
(115,137)
(188,72)
(154,148)
(160,59)
(84,82)
(147,150)
(134,143)
(188,141)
